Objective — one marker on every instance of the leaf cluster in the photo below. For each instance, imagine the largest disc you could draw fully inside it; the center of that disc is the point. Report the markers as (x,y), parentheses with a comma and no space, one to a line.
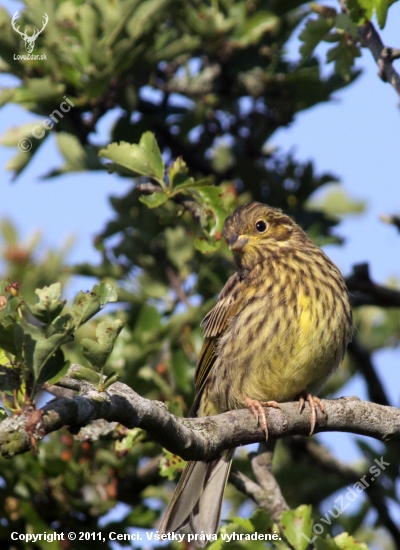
(32,336)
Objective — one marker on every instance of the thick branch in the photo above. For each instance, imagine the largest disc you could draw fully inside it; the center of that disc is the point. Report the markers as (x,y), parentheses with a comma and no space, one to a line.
(191,438)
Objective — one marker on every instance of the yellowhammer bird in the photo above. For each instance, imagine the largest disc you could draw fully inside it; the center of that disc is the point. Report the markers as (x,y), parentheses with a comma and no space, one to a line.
(278,330)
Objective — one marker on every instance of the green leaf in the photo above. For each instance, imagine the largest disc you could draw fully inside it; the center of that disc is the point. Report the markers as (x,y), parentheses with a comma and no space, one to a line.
(344,541)
(97,353)
(39,90)
(3,414)
(7,341)
(213,213)
(105,292)
(49,306)
(133,436)
(15,134)
(144,17)
(381,7)
(110,380)
(42,355)
(360,10)
(143,159)
(89,375)
(343,22)
(72,150)
(154,200)
(206,246)
(295,524)
(335,202)
(170,465)
(177,171)
(325,544)
(26,336)
(88,28)
(249,529)
(60,373)
(255,27)
(87,304)
(313,33)
(189,184)
(262,521)
(343,55)
(27,142)
(51,363)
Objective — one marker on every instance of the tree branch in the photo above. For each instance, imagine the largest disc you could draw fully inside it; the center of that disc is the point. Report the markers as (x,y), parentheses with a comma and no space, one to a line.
(266,493)
(191,438)
(362,357)
(382,54)
(363,291)
(391,220)
(261,463)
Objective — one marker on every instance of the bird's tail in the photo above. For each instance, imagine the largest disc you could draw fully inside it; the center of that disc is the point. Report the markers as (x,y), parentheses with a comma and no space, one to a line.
(198,497)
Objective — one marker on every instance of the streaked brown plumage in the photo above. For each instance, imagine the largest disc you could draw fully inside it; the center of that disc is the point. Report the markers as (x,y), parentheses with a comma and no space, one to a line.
(278,330)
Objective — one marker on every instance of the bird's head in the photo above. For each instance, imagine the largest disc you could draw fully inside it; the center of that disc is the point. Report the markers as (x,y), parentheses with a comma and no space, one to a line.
(257,227)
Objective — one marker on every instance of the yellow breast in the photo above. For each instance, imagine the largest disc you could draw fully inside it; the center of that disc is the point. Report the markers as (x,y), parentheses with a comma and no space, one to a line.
(276,348)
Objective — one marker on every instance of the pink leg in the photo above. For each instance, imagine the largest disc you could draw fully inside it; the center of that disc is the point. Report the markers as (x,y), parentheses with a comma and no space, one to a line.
(312,400)
(258,411)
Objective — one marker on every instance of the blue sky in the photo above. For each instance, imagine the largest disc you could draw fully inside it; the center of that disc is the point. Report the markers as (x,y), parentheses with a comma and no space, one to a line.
(356,136)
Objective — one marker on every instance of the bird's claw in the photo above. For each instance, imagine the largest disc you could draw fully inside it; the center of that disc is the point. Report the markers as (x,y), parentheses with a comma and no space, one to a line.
(312,400)
(257,409)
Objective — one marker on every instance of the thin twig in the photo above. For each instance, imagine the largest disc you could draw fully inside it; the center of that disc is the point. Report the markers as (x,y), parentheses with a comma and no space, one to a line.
(176,284)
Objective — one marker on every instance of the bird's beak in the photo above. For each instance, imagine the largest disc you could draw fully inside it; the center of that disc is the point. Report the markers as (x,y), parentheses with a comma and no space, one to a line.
(237,242)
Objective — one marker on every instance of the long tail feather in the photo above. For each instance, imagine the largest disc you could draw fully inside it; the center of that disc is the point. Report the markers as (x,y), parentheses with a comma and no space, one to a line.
(198,497)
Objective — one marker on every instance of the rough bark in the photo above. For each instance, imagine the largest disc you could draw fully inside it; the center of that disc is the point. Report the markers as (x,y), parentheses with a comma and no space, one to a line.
(191,438)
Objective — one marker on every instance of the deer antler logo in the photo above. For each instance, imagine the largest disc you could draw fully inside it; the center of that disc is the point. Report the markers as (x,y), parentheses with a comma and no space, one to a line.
(29,40)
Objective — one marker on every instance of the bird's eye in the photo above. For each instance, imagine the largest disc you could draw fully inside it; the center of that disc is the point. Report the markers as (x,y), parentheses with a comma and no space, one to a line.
(261,226)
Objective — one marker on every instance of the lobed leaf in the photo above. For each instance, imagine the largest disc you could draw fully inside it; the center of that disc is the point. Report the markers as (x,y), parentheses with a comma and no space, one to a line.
(87,304)
(143,159)
(97,353)
(295,524)
(49,305)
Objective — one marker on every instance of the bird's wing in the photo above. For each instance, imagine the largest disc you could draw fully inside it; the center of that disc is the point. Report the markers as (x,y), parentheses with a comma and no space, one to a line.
(218,317)
(215,323)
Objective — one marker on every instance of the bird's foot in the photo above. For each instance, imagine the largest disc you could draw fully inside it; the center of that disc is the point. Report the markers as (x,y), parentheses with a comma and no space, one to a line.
(312,401)
(257,409)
